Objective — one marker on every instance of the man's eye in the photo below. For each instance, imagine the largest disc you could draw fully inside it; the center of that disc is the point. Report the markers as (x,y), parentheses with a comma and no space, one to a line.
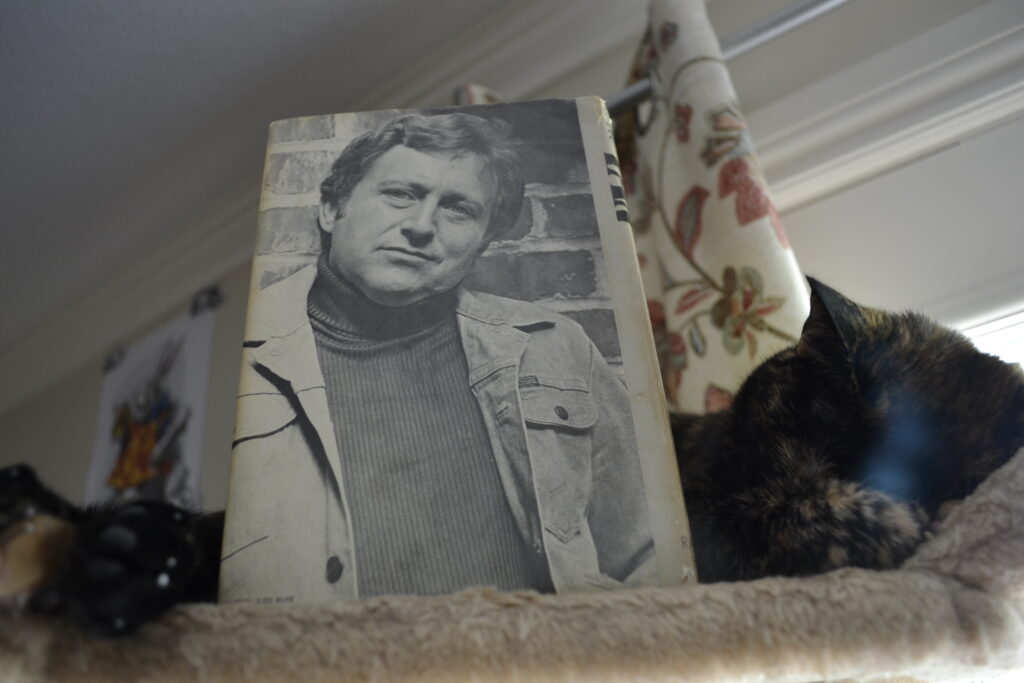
(461,211)
(399,195)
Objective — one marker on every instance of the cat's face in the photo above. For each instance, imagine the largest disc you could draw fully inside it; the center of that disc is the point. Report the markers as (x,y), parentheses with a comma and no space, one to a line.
(894,401)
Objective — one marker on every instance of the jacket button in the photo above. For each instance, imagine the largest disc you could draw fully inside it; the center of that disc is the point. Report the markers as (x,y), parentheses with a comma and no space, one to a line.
(334,569)
(561,412)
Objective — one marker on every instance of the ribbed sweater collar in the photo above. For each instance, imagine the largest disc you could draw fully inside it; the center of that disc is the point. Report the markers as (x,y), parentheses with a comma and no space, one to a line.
(341,311)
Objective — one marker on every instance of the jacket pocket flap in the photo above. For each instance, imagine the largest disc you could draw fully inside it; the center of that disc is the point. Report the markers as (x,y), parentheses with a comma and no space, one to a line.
(261,414)
(545,403)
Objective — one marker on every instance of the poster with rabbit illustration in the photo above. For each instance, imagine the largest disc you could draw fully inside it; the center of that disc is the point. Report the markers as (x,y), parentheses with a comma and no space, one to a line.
(150,424)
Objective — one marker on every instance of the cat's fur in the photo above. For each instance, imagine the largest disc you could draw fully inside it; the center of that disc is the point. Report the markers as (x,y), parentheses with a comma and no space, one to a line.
(126,564)
(841,450)
(838,451)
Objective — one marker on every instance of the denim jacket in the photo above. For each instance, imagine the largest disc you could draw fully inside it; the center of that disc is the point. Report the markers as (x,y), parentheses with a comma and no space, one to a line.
(557,417)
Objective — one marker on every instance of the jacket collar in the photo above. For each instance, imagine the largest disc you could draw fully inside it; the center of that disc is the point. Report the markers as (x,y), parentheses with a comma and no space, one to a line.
(494,310)
(280,309)
(494,330)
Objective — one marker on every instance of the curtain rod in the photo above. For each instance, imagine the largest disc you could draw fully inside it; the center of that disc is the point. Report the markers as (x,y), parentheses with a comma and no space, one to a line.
(757,34)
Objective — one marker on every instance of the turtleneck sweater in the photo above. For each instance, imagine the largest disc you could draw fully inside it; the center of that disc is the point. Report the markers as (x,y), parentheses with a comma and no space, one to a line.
(428,510)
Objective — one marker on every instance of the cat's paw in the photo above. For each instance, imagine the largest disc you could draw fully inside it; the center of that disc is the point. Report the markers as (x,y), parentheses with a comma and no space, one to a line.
(127,566)
(836,524)
(870,529)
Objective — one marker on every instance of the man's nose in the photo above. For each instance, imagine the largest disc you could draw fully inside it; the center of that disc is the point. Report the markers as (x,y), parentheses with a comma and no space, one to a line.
(419,227)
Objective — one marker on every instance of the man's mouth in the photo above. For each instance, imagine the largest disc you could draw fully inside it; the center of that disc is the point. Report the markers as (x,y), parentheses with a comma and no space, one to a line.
(411,253)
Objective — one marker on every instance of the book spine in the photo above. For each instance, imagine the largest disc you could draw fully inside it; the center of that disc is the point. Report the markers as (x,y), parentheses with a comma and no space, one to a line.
(639,356)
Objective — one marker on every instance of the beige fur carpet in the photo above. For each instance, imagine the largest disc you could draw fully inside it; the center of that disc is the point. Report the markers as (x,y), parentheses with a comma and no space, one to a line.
(955,610)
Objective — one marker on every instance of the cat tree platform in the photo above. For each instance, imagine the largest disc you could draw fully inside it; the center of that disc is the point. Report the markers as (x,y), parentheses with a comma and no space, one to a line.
(954,610)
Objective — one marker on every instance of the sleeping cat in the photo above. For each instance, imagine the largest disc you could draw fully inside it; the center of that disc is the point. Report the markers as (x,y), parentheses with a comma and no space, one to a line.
(839,451)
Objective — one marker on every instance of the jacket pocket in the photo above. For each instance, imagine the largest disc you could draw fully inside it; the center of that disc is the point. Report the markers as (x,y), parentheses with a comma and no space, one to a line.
(559,414)
(555,402)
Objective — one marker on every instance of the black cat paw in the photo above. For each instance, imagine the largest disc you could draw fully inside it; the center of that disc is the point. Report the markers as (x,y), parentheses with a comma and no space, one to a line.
(126,567)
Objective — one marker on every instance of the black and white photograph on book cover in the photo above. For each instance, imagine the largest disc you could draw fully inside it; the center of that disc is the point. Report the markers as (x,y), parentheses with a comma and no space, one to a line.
(432,394)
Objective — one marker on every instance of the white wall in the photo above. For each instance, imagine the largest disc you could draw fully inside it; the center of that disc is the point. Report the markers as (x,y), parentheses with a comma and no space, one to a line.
(54,431)
(942,235)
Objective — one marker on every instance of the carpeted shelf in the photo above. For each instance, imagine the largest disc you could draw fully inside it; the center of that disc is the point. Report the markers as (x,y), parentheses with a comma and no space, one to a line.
(953,611)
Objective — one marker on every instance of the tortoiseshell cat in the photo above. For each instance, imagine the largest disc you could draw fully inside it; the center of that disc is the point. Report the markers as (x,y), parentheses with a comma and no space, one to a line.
(839,451)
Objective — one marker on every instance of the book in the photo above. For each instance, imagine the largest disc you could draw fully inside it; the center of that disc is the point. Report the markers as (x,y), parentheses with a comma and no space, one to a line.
(449,377)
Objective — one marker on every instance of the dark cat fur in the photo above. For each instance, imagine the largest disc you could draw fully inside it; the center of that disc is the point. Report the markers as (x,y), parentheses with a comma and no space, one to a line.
(127,564)
(836,452)
(839,451)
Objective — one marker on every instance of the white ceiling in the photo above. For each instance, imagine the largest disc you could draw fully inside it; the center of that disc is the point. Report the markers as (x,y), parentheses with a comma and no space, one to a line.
(121,119)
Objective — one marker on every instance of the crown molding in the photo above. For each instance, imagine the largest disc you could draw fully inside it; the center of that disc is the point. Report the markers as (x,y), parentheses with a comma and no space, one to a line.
(941,87)
(998,297)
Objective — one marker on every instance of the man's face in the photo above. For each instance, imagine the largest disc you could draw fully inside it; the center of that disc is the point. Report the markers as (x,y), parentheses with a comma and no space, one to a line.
(413,226)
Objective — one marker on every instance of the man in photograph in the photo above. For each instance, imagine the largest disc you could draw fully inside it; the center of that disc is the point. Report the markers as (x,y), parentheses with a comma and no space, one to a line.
(400,434)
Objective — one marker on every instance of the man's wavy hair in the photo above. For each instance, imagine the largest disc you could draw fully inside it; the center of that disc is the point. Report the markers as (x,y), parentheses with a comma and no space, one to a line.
(456,133)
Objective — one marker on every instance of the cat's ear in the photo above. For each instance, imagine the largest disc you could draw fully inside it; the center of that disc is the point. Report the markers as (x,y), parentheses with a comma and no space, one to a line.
(832,325)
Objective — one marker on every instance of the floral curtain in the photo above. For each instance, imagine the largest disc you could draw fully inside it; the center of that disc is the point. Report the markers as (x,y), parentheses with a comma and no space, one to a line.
(723,287)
